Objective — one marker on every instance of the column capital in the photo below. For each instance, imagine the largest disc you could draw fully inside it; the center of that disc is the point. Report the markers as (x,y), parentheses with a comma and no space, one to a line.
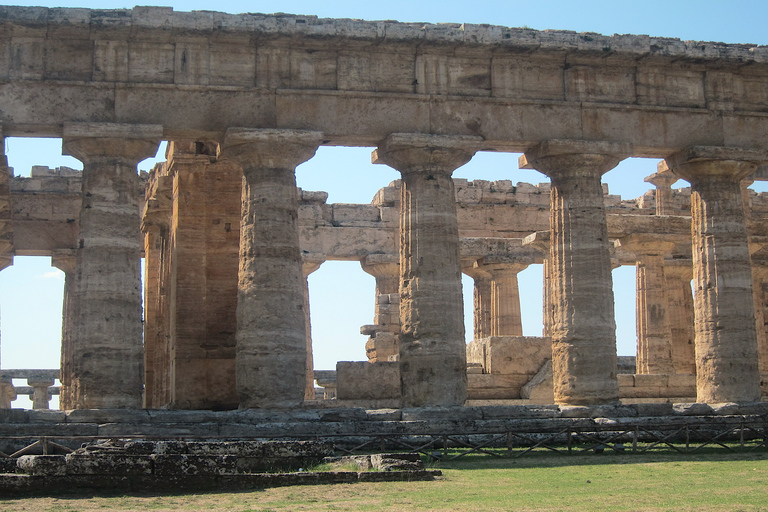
(714,162)
(540,240)
(574,157)
(664,178)
(64,260)
(311,262)
(270,148)
(496,266)
(130,143)
(6,260)
(381,265)
(418,152)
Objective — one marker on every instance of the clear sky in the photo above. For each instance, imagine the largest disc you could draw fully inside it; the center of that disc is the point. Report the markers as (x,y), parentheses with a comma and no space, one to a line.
(341,293)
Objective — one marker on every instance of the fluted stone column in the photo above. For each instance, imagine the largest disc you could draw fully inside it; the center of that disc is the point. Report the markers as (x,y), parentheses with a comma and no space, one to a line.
(726,341)
(66,261)
(678,275)
(155,225)
(432,347)
(107,363)
(583,330)
(309,265)
(653,330)
(663,181)
(271,352)
(506,319)
(541,242)
(481,300)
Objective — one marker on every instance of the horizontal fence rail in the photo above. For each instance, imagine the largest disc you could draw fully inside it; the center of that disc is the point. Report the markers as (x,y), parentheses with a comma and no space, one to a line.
(732,436)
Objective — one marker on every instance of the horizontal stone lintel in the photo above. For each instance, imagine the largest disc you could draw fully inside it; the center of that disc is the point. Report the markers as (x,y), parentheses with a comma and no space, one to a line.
(164,24)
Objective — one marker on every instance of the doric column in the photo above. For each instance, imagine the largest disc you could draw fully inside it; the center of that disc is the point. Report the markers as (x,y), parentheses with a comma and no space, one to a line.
(506,319)
(158,257)
(583,330)
(663,181)
(726,342)
(107,363)
(384,336)
(310,263)
(481,300)
(271,353)
(654,351)
(66,261)
(40,395)
(678,275)
(541,242)
(432,347)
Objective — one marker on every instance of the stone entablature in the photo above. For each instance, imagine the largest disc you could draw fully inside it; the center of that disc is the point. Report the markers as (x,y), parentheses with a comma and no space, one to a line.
(308,73)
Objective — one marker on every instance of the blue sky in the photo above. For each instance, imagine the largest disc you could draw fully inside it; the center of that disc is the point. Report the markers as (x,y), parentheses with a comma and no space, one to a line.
(341,293)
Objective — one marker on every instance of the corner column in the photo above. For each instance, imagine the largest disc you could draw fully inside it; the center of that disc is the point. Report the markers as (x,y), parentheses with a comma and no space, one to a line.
(583,331)
(432,348)
(725,335)
(271,353)
(107,362)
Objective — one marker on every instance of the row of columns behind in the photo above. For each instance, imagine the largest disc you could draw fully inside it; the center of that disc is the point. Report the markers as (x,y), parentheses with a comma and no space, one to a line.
(271,351)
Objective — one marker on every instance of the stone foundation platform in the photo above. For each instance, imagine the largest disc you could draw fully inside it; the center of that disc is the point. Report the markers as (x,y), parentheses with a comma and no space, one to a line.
(333,423)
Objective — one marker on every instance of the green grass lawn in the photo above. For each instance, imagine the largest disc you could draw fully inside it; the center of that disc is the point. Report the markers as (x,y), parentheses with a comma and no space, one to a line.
(611,482)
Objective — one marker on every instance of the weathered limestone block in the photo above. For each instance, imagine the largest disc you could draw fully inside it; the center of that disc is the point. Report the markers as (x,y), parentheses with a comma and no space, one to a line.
(516,354)
(726,341)
(583,330)
(495,386)
(271,333)
(432,352)
(364,380)
(107,366)
(509,362)
(540,389)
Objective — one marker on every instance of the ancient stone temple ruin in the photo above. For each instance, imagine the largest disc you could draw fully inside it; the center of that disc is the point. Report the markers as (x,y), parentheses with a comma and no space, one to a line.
(228,240)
